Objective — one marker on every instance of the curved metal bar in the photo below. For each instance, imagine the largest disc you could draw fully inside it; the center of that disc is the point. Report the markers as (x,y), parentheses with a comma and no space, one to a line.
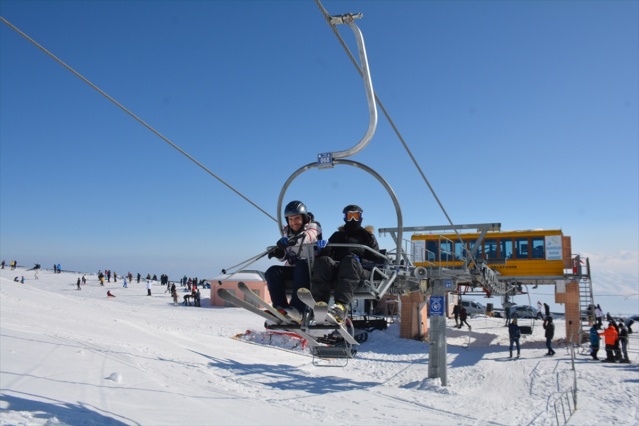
(400,220)
(368,86)
(283,191)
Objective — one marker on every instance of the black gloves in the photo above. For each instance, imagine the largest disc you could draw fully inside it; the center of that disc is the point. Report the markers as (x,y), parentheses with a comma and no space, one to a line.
(277,252)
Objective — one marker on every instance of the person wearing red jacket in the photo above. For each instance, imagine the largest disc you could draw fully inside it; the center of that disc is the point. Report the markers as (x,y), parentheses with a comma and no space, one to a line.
(610,337)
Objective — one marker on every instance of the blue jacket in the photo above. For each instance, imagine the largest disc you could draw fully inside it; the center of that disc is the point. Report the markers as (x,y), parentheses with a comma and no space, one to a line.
(594,337)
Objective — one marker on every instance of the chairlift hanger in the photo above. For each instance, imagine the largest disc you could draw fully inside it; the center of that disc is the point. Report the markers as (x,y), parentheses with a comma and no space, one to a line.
(330,159)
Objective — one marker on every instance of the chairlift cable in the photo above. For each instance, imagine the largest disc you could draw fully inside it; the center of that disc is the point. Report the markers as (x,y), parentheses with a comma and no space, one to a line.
(386,114)
(138,119)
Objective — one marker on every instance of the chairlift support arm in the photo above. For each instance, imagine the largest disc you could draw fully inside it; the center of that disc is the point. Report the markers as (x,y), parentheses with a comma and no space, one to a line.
(349,19)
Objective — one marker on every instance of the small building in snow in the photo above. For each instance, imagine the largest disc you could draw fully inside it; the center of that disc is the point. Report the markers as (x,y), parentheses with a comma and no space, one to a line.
(255,280)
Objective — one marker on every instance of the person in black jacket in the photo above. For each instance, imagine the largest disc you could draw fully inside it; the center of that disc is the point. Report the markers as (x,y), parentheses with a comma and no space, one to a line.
(456,310)
(343,268)
(463,316)
(514,333)
(550,333)
(623,340)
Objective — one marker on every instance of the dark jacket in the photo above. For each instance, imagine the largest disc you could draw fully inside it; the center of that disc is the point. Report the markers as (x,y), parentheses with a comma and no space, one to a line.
(513,331)
(623,334)
(550,330)
(463,314)
(358,236)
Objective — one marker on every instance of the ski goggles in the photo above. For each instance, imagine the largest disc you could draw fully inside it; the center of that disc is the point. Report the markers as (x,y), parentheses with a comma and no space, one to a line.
(353,215)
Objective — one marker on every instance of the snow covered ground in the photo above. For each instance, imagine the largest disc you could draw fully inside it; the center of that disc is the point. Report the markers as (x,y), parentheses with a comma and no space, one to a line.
(70,357)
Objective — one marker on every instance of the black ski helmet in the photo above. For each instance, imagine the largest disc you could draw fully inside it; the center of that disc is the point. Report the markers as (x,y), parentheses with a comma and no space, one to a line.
(352,208)
(295,208)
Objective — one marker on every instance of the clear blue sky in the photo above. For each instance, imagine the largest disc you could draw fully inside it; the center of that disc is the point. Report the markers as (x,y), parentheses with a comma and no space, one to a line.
(523,113)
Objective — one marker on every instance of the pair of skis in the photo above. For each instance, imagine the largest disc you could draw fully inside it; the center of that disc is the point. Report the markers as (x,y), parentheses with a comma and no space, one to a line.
(323,320)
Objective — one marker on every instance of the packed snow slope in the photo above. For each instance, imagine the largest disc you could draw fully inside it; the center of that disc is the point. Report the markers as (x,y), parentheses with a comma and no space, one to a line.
(71,357)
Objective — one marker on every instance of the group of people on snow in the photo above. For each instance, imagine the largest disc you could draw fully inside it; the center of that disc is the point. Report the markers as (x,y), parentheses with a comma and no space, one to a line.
(615,340)
(12,264)
(461,316)
(514,334)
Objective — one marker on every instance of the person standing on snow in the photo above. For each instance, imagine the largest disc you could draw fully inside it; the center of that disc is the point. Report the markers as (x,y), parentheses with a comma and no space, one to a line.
(594,341)
(456,310)
(610,337)
(599,315)
(623,341)
(298,238)
(463,315)
(343,268)
(549,334)
(148,287)
(514,333)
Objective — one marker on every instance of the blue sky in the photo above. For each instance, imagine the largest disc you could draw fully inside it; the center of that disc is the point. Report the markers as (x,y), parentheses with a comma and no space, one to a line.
(523,113)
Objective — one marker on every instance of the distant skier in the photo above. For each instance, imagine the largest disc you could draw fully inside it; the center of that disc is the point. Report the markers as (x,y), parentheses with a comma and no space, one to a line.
(549,334)
(463,315)
(599,315)
(456,309)
(610,337)
(174,294)
(196,297)
(594,341)
(78,283)
(623,341)
(540,315)
(514,333)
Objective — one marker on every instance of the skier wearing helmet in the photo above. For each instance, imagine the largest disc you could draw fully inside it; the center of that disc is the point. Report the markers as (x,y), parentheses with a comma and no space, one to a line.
(298,237)
(340,268)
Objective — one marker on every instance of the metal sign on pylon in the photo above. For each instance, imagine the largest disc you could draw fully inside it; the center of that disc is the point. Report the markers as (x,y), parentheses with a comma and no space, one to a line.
(437,315)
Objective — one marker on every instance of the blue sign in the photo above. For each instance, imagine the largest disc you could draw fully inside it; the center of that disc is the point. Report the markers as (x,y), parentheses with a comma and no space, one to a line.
(448,283)
(325,160)
(437,306)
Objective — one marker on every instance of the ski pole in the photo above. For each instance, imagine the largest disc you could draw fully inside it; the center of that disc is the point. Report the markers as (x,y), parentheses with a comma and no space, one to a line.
(251,259)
